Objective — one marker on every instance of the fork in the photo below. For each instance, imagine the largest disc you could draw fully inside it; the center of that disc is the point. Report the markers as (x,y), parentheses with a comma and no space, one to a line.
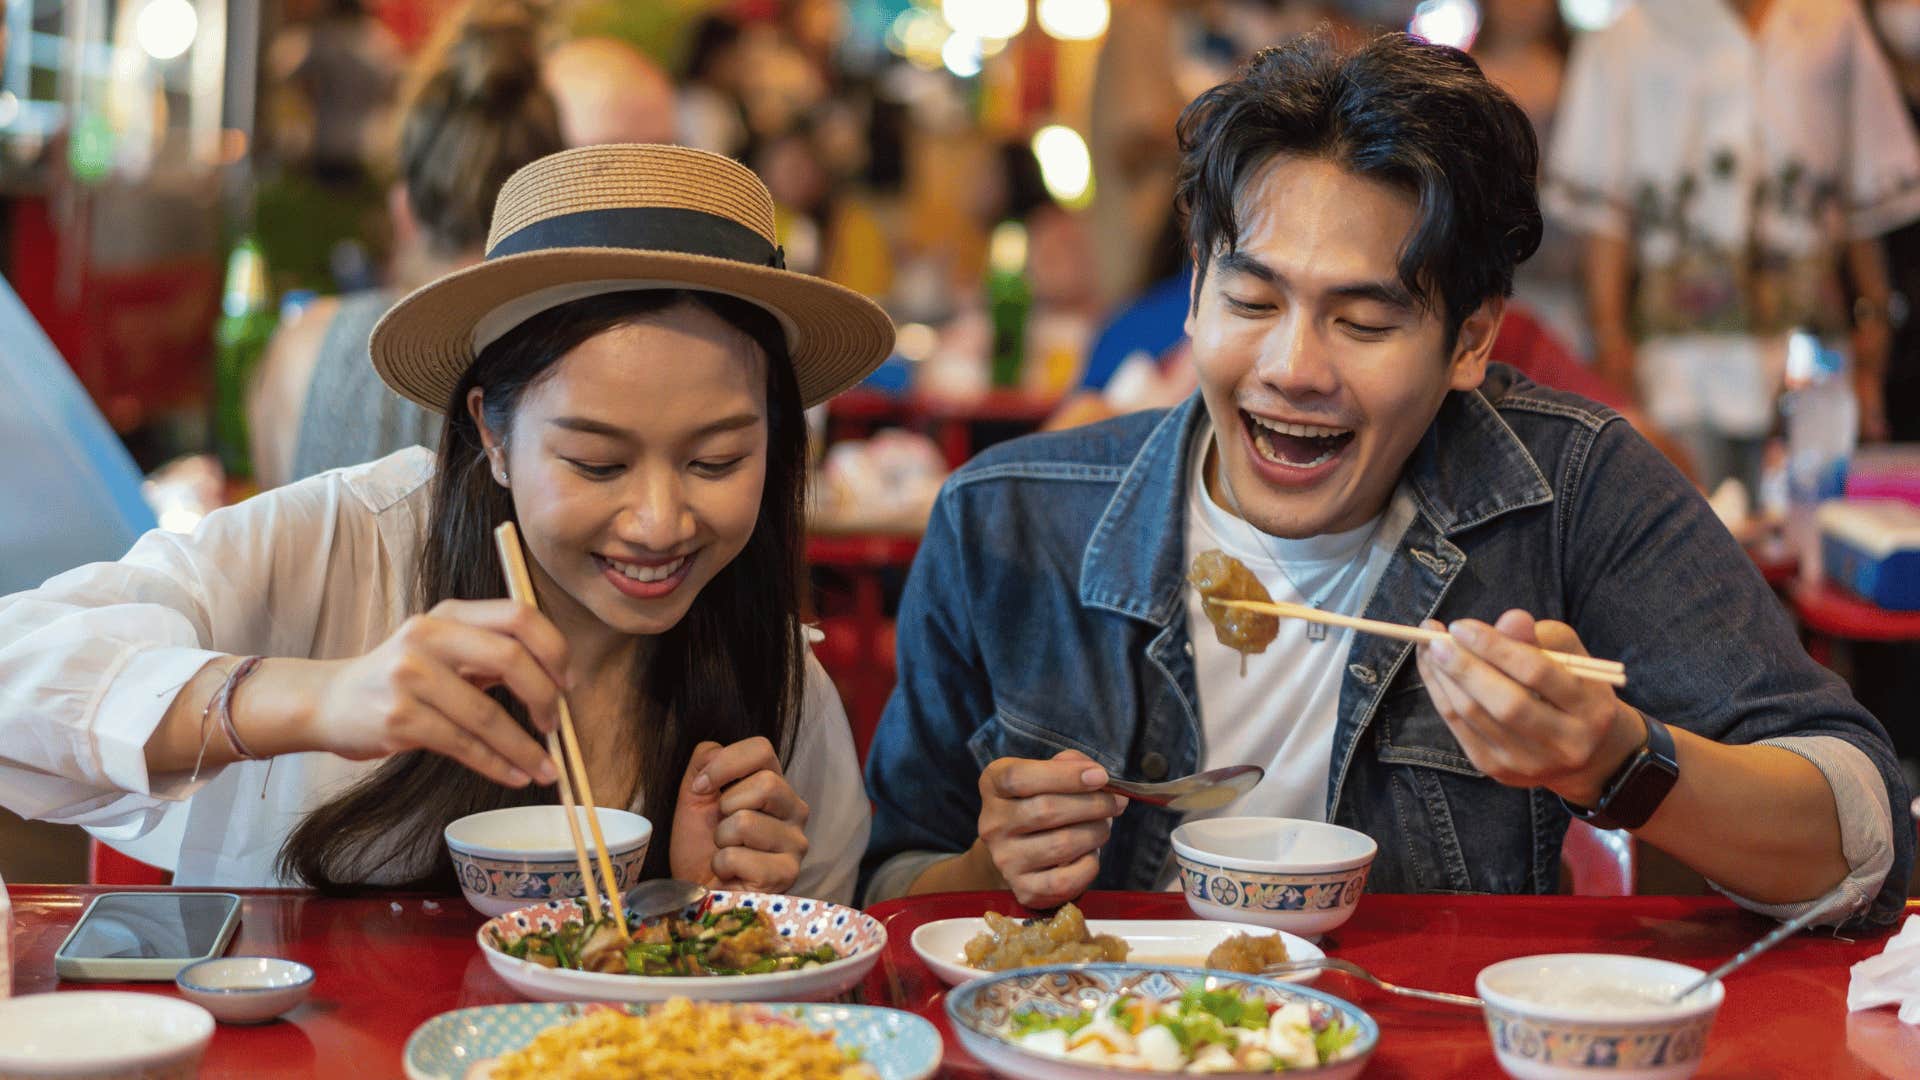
(1289,967)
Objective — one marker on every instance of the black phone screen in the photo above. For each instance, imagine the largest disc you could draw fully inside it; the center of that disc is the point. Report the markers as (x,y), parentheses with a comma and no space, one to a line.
(150,925)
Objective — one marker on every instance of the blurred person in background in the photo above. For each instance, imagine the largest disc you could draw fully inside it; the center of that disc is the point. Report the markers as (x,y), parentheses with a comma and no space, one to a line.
(710,117)
(609,92)
(1898,22)
(476,111)
(1722,157)
(826,227)
(346,67)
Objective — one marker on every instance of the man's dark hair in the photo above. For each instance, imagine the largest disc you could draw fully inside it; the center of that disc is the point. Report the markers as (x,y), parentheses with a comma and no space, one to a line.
(1413,115)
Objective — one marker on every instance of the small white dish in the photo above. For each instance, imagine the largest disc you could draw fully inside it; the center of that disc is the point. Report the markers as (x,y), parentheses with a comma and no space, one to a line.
(941,944)
(509,858)
(245,989)
(1596,1016)
(1304,877)
(102,1035)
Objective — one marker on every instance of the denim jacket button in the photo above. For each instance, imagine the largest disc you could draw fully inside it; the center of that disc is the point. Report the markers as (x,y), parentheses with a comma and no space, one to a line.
(1363,673)
(1189,647)
(1153,765)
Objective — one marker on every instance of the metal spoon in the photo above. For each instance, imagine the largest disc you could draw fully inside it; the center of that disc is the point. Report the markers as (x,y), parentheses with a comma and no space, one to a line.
(1334,963)
(1208,790)
(1780,933)
(661,896)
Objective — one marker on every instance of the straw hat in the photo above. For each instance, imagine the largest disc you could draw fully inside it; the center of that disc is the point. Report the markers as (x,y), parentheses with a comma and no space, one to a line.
(603,219)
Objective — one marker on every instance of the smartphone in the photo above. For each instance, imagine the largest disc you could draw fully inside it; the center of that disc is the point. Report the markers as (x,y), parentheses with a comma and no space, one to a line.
(133,936)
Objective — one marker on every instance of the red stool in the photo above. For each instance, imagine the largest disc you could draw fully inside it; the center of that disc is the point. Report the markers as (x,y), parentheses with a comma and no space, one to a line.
(1597,862)
(106,866)
(1831,614)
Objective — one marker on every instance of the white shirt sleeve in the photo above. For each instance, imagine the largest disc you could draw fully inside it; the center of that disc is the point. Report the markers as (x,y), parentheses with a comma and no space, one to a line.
(91,660)
(1882,170)
(825,771)
(1588,170)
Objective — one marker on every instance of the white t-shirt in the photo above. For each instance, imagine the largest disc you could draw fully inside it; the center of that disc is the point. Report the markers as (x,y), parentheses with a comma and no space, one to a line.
(90,661)
(1281,713)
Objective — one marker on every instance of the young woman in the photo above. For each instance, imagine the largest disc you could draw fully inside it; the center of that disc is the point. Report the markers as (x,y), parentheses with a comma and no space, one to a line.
(624,376)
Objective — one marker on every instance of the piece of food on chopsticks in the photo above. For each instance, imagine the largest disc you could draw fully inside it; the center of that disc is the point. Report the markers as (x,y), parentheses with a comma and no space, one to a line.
(1215,575)
(736,941)
(1062,939)
(680,1040)
(1248,954)
(1203,1031)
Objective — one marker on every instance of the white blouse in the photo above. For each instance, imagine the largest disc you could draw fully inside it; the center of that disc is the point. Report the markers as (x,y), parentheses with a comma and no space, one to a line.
(90,661)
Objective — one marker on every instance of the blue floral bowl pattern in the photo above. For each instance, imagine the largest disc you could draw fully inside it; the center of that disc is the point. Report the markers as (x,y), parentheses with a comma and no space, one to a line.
(496,886)
(1298,903)
(897,1045)
(1563,1045)
(982,1011)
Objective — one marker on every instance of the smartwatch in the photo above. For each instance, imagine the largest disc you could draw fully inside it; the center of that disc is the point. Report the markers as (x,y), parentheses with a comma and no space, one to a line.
(1636,789)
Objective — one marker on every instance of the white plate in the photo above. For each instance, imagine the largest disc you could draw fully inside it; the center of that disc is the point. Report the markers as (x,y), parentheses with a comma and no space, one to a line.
(1150,942)
(859,937)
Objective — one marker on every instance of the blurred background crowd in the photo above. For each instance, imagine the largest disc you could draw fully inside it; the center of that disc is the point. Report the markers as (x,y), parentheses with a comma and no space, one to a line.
(205,206)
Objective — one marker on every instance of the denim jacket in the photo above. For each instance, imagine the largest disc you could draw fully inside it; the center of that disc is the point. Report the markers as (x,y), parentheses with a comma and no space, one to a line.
(1045,612)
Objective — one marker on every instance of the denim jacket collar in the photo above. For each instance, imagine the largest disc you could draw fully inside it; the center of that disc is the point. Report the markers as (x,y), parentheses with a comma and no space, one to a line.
(1469,468)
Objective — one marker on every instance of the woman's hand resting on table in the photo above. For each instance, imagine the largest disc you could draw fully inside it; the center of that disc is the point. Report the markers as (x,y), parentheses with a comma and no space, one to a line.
(738,822)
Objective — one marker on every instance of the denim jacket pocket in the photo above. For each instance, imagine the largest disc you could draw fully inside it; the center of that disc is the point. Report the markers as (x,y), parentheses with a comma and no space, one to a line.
(1010,735)
(1425,769)
(1412,732)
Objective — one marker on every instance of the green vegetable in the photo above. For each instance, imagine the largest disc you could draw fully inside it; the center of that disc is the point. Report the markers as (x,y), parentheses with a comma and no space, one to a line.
(1026,1023)
(1334,1038)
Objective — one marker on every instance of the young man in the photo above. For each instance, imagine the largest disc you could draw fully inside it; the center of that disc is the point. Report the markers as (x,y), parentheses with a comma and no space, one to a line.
(1355,219)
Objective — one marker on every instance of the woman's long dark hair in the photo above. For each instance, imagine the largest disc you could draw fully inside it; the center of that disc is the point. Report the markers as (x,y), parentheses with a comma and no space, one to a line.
(732,668)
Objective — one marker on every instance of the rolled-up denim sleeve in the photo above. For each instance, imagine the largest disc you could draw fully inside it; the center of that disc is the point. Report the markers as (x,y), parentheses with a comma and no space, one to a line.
(1866,828)
(1655,579)
(921,775)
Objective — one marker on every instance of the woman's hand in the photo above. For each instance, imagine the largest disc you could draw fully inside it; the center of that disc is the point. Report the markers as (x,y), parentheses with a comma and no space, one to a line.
(1521,717)
(738,823)
(423,689)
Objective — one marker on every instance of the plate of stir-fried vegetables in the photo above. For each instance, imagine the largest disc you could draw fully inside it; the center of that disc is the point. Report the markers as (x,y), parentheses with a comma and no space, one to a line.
(1093,1021)
(731,947)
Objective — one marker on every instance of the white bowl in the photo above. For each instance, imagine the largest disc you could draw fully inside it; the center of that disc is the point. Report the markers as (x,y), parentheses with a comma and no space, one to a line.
(1557,1017)
(1303,877)
(102,1035)
(941,944)
(520,855)
(245,989)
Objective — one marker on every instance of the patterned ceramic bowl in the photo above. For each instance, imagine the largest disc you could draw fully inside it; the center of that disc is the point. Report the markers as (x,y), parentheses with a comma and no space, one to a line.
(102,1035)
(507,859)
(1596,1016)
(1303,877)
(855,935)
(982,1011)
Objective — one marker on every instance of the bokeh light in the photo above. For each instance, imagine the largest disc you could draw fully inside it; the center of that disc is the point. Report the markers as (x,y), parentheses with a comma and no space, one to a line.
(165,28)
(1073,20)
(1446,22)
(1065,165)
(985,18)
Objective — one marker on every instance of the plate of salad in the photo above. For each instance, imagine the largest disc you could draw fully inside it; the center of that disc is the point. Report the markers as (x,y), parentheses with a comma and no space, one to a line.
(733,946)
(1098,1021)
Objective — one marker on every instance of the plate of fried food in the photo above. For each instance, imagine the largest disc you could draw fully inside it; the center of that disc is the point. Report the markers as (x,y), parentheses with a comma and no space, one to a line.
(961,950)
(732,946)
(675,1040)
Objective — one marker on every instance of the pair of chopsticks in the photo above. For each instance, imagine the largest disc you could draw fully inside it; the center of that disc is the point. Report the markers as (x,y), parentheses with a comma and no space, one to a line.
(513,562)
(1611,672)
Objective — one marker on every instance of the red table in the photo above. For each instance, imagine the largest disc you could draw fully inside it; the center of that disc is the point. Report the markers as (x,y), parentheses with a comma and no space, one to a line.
(387,964)
(1785,1014)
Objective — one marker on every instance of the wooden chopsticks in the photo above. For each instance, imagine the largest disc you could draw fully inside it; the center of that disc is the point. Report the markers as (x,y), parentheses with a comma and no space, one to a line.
(513,562)
(1611,672)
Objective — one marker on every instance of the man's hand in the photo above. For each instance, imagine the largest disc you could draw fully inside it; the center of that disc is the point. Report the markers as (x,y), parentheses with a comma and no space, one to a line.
(1044,823)
(1521,717)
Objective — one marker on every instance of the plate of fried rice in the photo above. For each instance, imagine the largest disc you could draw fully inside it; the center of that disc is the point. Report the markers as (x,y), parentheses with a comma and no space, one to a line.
(733,946)
(673,1040)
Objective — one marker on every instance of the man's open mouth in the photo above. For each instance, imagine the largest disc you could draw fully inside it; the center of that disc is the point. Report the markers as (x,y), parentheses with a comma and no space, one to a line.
(1297,446)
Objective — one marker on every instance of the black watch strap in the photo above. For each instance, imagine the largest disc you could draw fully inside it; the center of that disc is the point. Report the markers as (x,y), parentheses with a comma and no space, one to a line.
(1637,788)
